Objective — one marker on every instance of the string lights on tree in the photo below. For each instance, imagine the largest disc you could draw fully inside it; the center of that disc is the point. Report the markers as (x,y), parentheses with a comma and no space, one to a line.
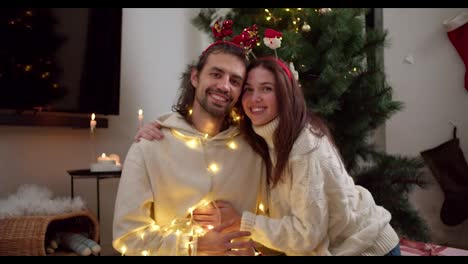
(297,15)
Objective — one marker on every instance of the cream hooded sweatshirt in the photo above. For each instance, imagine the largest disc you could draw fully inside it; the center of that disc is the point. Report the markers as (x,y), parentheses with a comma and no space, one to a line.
(162,180)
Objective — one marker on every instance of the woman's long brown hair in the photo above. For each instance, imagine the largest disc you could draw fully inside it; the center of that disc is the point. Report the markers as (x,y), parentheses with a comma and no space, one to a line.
(293,117)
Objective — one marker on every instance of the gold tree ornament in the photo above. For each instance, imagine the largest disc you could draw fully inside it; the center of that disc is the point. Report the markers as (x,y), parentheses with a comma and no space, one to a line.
(324,10)
(306,27)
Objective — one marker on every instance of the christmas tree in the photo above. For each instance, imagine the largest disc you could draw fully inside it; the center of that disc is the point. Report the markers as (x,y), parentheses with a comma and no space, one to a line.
(334,54)
(27,59)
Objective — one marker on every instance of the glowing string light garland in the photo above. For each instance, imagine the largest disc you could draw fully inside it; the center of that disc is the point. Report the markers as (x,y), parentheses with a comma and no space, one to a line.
(186,225)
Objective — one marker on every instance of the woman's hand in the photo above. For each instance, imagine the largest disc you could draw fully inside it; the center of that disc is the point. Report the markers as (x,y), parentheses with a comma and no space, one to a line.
(150,131)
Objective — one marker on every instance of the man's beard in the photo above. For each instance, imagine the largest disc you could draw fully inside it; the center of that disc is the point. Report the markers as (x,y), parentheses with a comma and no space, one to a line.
(216,110)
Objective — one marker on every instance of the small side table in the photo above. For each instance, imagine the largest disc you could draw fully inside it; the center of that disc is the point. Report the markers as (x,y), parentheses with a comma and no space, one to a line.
(86,174)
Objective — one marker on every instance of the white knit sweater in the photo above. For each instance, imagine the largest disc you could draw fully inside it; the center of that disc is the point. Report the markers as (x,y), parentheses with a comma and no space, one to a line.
(317,209)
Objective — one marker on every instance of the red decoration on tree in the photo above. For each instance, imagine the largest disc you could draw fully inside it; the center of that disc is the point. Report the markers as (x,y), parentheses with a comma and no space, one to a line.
(271,33)
(248,38)
(220,32)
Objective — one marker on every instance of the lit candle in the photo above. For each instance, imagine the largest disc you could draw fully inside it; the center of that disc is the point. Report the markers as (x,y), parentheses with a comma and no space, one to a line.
(92,123)
(105,159)
(116,158)
(140,118)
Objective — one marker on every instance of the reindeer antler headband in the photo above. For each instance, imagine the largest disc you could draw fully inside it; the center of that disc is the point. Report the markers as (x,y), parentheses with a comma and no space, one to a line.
(246,40)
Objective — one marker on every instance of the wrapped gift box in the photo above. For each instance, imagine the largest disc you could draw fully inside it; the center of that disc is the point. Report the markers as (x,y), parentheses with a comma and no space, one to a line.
(414,248)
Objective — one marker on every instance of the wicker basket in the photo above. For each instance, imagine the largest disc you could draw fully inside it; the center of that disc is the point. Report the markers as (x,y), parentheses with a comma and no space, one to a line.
(26,235)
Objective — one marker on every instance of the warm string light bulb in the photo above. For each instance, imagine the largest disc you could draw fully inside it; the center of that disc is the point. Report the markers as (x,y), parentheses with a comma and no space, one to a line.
(234,113)
(190,210)
(232,145)
(261,207)
(198,231)
(213,167)
(354,70)
(45,75)
(154,227)
(192,143)
(123,249)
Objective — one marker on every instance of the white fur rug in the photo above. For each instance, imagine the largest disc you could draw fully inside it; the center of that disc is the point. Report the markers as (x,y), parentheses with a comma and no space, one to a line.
(37,200)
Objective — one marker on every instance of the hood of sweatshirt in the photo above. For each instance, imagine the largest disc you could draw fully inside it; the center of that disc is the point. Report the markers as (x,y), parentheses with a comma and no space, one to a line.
(175,121)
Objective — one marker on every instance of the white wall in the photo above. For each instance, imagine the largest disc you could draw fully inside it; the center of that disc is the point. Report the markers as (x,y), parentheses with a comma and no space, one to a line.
(156,46)
(433,91)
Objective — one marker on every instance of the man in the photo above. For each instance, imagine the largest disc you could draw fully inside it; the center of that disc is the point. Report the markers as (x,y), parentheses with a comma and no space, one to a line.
(202,159)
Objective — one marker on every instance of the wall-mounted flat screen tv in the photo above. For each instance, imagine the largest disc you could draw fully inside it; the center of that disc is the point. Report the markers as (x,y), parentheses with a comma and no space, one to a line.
(60,59)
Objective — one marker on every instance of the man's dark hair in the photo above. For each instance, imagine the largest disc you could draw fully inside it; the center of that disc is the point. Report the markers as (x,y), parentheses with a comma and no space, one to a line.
(187,91)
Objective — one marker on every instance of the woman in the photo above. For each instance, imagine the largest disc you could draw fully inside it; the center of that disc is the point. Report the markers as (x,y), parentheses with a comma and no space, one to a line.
(314,206)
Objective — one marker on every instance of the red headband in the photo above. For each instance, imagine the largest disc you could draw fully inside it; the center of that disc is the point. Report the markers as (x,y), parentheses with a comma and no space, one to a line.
(285,68)
(282,65)
(218,42)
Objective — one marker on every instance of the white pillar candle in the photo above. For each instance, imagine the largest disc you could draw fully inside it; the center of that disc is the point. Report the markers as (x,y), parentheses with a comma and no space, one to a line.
(105,159)
(116,158)
(140,118)
(93,123)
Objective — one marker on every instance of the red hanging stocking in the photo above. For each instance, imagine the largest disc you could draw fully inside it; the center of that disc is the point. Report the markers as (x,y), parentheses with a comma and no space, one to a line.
(457,31)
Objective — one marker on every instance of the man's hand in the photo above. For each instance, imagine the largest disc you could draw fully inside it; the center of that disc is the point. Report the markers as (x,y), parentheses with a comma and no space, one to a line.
(220,212)
(218,243)
(229,213)
(150,131)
